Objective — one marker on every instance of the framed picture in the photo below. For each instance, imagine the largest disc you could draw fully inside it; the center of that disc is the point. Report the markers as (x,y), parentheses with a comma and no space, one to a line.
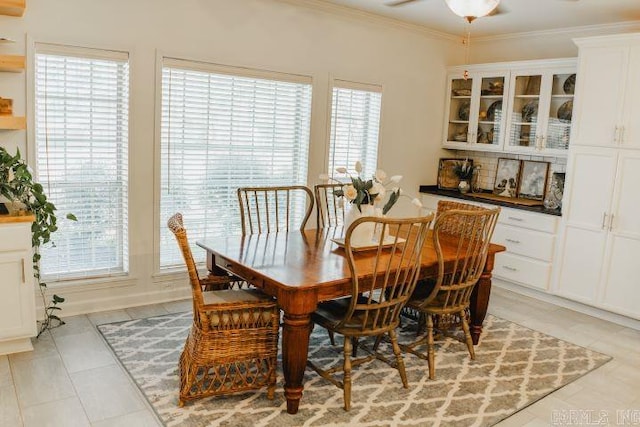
(507,177)
(447,178)
(533,180)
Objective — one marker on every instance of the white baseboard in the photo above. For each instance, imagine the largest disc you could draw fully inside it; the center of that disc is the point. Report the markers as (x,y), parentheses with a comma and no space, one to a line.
(15,346)
(118,302)
(572,305)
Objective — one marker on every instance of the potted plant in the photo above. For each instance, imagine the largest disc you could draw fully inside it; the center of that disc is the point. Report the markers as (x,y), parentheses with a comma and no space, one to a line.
(17,185)
(464,170)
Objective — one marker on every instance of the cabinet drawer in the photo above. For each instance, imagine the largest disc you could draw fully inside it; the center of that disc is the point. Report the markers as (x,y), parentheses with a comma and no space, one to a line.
(534,221)
(521,241)
(526,271)
(15,237)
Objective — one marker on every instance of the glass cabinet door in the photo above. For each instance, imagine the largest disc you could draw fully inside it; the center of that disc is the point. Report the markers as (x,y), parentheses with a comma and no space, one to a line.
(460,110)
(560,112)
(524,132)
(490,112)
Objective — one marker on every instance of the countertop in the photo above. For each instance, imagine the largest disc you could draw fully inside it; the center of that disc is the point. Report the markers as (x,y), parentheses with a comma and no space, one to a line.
(9,218)
(433,189)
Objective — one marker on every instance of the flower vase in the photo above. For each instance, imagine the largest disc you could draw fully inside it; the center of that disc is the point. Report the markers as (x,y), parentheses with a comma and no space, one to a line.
(464,186)
(362,235)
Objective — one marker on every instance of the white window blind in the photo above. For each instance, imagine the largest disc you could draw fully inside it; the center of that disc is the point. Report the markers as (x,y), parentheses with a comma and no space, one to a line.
(355,124)
(81,127)
(221,129)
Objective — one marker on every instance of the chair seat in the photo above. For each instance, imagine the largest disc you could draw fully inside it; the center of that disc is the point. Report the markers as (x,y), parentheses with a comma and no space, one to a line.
(330,313)
(238,308)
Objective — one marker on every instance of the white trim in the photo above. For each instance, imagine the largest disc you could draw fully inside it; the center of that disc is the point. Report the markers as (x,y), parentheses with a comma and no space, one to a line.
(347,84)
(119,301)
(572,305)
(606,28)
(208,67)
(80,52)
(92,284)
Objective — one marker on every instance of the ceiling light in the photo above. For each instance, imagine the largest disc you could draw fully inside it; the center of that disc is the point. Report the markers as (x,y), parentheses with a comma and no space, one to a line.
(472,9)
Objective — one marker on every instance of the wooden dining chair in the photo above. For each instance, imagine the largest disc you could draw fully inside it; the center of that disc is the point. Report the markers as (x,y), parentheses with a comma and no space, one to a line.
(270,209)
(329,209)
(233,342)
(470,232)
(382,280)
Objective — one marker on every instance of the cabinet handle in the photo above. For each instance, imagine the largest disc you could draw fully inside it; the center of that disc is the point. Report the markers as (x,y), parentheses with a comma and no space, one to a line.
(616,135)
(512,241)
(604,220)
(611,222)
(24,276)
(515,218)
(506,267)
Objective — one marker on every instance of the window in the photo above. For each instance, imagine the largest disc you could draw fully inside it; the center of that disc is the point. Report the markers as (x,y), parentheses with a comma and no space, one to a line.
(224,128)
(81,135)
(355,124)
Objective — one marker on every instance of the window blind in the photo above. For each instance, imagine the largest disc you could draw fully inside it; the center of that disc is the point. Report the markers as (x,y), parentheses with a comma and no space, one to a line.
(221,131)
(355,124)
(81,135)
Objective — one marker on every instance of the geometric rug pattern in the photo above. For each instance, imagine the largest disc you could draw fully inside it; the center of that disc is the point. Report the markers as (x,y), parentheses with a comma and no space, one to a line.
(514,367)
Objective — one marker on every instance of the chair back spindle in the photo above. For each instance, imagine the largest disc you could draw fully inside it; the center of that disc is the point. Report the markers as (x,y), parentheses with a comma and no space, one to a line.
(270,209)
(329,208)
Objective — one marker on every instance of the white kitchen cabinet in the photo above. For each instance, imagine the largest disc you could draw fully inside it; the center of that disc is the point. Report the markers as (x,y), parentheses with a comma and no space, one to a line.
(523,106)
(530,239)
(17,305)
(474,109)
(541,109)
(608,92)
(601,233)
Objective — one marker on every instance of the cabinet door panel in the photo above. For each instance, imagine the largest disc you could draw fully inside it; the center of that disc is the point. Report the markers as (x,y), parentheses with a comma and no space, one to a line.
(631,134)
(581,263)
(17,310)
(591,178)
(626,207)
(621,289)
(600,94)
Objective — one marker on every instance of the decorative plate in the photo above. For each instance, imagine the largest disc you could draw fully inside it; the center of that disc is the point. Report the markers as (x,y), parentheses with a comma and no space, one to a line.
(463,110)
(570,85)
(494,108)
(565,111)
(529,111)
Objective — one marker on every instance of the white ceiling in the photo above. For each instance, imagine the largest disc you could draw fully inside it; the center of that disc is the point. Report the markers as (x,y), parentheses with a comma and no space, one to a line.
(516,16)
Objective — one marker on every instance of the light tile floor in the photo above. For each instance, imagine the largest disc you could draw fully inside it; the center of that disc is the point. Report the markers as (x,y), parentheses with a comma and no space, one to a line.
(72,379)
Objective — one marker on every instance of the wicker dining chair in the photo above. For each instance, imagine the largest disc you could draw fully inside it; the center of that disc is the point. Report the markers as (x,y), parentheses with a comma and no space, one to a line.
(470,232)
(269,209)
(454,224)
(376,299)
(233,342)
(329,209)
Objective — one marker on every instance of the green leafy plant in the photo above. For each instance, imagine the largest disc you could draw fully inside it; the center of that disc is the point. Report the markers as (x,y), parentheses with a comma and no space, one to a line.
(17,185)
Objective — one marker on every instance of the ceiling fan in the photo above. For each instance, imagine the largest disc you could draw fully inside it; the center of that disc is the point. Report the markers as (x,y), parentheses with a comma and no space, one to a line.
(468,9)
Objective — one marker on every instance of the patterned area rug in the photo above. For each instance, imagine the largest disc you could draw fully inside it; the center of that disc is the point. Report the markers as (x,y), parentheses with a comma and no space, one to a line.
(514,367)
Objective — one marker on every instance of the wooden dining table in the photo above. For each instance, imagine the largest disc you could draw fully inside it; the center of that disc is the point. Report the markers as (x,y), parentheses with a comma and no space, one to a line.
(303,268)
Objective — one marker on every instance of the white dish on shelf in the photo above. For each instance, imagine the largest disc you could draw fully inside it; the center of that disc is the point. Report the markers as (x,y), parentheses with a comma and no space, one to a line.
(388,242)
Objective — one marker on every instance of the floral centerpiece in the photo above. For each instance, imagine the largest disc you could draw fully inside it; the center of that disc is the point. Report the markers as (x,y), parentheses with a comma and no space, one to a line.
(367,196)
(464,170)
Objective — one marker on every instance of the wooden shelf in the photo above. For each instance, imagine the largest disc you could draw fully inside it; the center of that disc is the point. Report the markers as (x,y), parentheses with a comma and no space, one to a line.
(12,63)
(12,7)
(12,123)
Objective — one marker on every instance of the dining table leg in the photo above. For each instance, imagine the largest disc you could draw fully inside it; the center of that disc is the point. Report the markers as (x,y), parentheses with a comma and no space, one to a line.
(480,300)
(295,347)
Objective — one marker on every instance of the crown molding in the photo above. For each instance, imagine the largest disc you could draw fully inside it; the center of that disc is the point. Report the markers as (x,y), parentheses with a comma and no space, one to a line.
(361,15)
(600,29)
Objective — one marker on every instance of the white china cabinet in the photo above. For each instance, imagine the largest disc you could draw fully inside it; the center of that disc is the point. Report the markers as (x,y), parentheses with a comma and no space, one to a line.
(608,92)
(17,305)
(475,119)
(523,106)
(541,109)
(600,243)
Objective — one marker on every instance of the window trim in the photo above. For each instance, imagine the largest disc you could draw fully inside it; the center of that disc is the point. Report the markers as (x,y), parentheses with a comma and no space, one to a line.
(180,61)
(36,45)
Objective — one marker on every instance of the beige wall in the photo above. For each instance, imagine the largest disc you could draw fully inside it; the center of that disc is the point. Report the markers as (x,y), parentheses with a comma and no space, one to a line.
(260,34)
